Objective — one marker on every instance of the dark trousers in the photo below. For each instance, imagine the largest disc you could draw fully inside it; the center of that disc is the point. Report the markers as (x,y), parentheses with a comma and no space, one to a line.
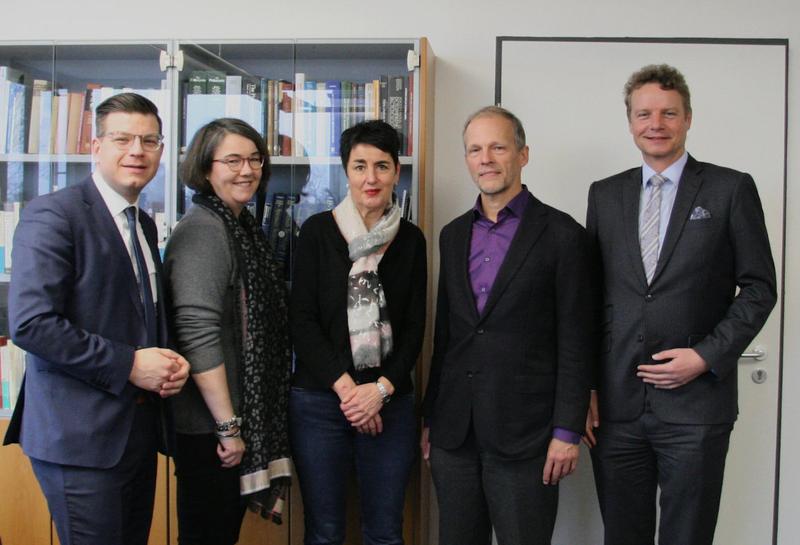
(687,462)
(114,506)
(210,508)
(325,447)
(477,491)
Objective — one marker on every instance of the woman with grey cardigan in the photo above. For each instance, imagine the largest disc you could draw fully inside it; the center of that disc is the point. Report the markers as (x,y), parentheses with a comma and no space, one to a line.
(230,321)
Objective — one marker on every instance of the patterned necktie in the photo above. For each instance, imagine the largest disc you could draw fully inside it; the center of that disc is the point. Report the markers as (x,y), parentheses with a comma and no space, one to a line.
(648,229)
(145,291)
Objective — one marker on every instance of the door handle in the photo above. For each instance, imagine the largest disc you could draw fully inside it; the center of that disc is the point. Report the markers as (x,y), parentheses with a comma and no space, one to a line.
(757,353)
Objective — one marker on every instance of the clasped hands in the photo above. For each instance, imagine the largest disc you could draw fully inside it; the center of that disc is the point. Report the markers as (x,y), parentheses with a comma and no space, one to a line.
(159,370)
(361,403)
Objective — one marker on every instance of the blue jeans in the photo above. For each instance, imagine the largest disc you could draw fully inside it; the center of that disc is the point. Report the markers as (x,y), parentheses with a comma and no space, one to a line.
(325,446)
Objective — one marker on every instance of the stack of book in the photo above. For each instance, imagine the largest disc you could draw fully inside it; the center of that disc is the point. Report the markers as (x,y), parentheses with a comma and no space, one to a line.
(300,118)
(36,118)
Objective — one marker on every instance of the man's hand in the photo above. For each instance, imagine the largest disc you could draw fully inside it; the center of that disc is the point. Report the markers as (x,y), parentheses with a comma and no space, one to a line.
(157,368)
(230,451)
(684,366)
(562,459)
(592,421)
(425,444)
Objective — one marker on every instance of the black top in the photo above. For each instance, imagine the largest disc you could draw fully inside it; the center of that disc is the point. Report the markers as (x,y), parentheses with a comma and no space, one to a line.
(318,310)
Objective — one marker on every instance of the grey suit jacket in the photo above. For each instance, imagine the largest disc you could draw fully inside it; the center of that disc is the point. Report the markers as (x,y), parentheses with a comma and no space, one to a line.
(716,242)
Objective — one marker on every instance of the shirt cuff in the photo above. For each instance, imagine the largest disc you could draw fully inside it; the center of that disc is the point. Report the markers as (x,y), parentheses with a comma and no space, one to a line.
(566,435)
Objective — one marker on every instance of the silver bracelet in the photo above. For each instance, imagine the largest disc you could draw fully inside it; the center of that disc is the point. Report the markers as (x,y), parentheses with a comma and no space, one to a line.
(386,398)
(226,426)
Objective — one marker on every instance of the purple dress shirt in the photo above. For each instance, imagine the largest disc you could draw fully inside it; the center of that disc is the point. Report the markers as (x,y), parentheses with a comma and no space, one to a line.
(487,250)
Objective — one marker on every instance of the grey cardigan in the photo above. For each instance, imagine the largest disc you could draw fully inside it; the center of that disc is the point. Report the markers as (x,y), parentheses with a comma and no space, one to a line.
(201,275)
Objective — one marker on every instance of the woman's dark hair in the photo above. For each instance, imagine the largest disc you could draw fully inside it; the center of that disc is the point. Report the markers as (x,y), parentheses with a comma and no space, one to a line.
(373,133)
(200,156)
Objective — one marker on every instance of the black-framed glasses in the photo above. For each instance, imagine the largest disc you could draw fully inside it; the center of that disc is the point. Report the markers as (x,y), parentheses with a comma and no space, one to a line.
(124,140)
(235,163)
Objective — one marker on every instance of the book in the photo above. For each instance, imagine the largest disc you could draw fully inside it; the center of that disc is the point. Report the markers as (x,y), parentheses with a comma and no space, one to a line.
(39,86)
(45,122)
(276,219)
(285,120)
(87,119)
(215,82)
(334,89)
(197,83)
(410,116)
(15,130)
(286,230)
(74,121)
(62,120)
(298,138)
(395,104)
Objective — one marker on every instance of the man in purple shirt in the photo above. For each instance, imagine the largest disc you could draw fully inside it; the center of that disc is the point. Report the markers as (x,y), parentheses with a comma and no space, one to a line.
(508,387)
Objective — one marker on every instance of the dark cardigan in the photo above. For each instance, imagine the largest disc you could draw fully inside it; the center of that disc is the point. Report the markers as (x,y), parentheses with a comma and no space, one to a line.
(318,310)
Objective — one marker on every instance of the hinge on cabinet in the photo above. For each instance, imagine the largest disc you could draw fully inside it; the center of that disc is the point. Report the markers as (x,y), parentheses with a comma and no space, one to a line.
(171,61)
(412,60)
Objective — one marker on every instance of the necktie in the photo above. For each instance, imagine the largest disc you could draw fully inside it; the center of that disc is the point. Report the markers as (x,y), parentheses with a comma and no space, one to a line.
(648,230)
(145,292)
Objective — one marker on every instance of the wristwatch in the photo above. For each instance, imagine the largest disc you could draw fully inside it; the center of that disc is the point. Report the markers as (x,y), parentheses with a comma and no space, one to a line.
(386,398)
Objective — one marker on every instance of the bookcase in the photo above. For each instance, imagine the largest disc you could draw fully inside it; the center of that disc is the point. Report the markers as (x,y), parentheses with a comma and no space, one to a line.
(299,94)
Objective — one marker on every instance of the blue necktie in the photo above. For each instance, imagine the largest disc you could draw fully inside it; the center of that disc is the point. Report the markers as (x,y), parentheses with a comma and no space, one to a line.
(145,292)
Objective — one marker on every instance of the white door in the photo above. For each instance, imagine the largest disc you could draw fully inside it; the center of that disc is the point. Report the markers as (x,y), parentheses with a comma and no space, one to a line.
(569,97)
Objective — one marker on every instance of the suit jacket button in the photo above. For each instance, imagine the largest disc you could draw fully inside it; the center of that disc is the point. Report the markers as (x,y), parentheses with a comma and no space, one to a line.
(480,332)
(649,297)
(640,338)
(469,374)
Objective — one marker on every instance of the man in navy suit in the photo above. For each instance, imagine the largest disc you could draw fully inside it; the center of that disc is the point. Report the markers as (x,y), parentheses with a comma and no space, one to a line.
(509,380)
(85,302)
(688,282)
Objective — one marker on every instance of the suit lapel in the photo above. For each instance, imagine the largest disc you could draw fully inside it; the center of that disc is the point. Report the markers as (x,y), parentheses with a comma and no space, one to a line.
(531,227)
(631,194)
(687,191)
(105,229)
(460,257)
(151,235)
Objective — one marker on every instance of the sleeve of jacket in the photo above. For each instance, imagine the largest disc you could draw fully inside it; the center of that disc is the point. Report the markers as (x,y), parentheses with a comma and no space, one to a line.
(755,277)
(574,315)
(597,289)
(39,299)
(441,333)
(311,343)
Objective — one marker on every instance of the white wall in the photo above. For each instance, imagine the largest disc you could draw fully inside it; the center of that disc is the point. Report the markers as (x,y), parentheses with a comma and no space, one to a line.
(463,35)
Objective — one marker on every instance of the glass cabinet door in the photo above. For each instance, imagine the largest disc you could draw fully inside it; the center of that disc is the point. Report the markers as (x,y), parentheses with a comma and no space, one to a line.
(300,96)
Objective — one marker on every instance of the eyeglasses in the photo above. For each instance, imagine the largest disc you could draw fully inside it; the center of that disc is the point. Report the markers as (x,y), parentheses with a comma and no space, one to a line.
(235,163)
(124,140)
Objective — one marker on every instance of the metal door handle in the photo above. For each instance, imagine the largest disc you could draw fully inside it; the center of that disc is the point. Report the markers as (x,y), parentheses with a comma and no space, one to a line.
(758,353)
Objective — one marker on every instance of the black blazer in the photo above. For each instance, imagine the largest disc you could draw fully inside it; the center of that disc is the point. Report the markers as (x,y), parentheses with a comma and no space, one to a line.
(523,366)
(716,241)
(318,308)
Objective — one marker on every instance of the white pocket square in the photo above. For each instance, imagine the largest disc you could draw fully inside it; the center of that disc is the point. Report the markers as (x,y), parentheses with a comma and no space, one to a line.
(700,213)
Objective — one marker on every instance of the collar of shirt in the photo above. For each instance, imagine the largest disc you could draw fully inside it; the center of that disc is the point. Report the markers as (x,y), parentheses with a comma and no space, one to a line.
(515,206)
(115,202)
(672,173)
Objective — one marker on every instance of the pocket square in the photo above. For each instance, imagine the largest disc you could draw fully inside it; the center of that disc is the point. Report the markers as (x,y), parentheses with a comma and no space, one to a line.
(700,213)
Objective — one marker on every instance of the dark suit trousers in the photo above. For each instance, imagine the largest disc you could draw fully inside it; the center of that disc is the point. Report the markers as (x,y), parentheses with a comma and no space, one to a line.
(632,459)
(477,491)
(114,506)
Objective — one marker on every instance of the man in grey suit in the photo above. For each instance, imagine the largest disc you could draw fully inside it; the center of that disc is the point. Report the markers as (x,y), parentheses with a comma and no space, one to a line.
(86,303)
(675,239)
(508,388)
